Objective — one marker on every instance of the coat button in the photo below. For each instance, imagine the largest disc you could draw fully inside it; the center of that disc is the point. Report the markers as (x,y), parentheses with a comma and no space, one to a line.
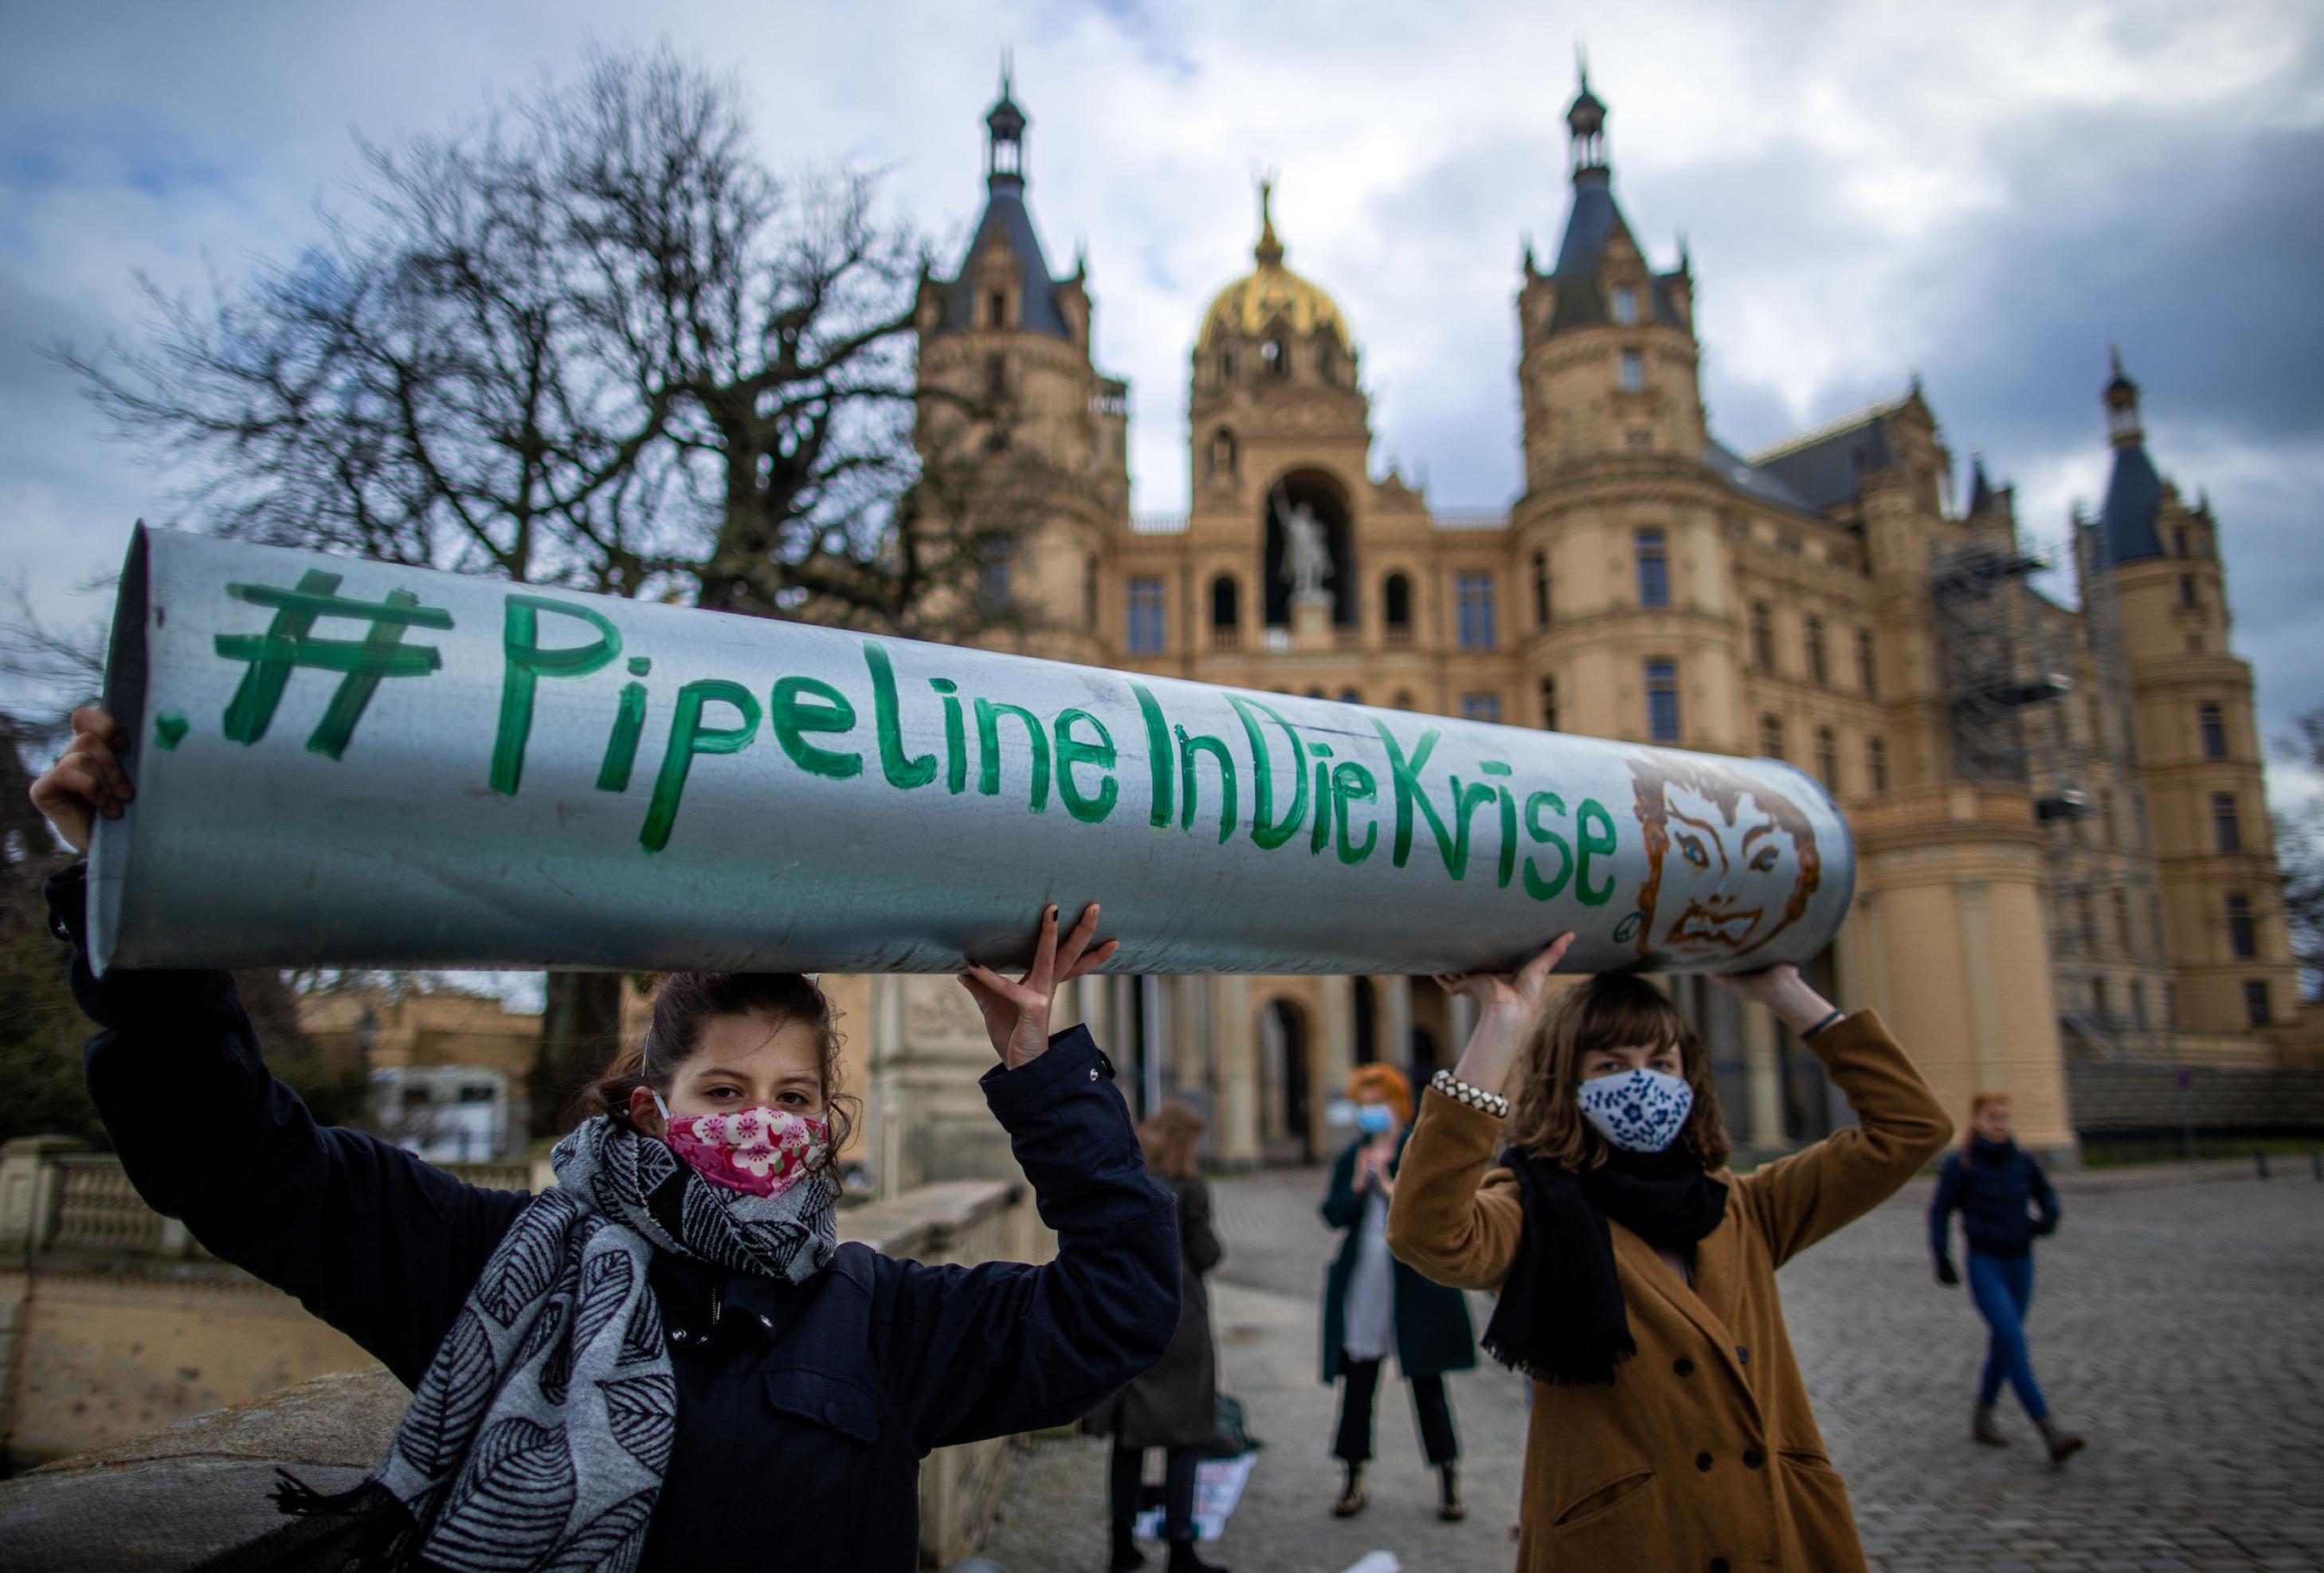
(1702,1462)
(1682,1365)
(1093,1073)
(1719,1565)
(677,1335)
(1742,1356)
(1753,1459)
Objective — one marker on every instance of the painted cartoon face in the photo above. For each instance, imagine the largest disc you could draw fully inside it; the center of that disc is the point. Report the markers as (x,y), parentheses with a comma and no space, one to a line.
(1724,886)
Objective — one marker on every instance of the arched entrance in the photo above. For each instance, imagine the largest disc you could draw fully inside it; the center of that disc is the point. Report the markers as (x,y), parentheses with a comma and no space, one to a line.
(1287,1123)
(1367,1022)
(1324,497)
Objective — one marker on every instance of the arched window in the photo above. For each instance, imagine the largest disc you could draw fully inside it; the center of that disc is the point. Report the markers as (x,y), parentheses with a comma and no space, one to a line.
(1763,636)
(1404,701)
(1327,360)
(1395,603)
(1275,358)
(1818,668)
(1351,696)
(996,310)
(1226,613)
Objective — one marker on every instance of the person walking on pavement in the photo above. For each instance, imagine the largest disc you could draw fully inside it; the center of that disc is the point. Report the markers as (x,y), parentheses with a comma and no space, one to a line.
(1175,1405)
(631,1367)
(1670,1429)
(1991,1181)
(1373,1302)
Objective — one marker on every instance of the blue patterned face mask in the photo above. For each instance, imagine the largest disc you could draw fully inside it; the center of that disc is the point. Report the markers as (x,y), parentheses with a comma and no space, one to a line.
(1638,1111)
(1374,1118)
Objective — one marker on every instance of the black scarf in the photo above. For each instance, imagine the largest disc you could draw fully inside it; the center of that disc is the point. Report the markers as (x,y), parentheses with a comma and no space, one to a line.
(1995,1154)
(1562,1319)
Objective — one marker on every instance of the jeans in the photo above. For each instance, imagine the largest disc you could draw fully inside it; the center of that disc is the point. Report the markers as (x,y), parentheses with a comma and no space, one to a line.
(2003,1288)
(1354,1445)
(1128,1482)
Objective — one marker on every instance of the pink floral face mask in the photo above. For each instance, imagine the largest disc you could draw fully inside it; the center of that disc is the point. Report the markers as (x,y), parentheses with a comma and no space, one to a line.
(759,1151)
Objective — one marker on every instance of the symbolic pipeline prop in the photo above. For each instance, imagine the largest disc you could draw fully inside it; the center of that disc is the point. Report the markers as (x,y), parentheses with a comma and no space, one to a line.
(343,762)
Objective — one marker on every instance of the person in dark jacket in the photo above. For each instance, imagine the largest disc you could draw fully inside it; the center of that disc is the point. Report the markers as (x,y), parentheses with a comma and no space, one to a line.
(1175,1405)
(1373,1302)
(620,1371)
(1991,1182)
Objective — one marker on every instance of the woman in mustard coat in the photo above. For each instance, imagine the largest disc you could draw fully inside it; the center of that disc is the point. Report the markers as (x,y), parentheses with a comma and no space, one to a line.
(1670,1430)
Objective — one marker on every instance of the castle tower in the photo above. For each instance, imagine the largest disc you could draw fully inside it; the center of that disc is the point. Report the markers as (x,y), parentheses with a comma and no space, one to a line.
(1633,627)
(1005,350)
(1280,427)
(2198,751)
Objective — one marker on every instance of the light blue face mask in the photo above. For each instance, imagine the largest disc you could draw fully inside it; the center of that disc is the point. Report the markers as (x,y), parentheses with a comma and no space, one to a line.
(1374,1118)
(1638,1111)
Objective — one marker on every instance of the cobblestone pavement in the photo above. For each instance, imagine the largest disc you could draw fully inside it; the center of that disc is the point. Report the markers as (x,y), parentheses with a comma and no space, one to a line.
(2180,1325)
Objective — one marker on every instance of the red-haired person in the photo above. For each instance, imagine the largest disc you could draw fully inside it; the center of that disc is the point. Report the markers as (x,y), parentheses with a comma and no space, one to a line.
(1991,1182)
(1374,1305)
(1175,1405)
(1637,1273)
(635,1367)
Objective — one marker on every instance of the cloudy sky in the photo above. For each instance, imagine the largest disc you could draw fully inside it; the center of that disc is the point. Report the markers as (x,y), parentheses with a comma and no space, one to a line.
(1984,193)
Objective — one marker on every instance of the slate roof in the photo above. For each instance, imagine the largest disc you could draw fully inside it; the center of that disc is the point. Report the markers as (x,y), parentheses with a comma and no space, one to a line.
(1006,217)
(1590,227)
(1739,473)
(2134,497)
(1825,467)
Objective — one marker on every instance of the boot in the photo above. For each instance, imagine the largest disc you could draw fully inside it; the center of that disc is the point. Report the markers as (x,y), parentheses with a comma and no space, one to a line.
(1182,1559)
(1449,1506)
(1987,1429)
(2063,1446)
(1127,1557)
(1352,1496)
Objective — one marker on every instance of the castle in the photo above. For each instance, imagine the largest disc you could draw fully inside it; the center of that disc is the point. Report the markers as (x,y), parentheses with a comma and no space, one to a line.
(2063,843)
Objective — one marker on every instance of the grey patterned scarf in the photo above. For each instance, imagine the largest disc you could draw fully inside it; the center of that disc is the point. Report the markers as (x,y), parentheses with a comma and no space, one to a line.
(537,1438)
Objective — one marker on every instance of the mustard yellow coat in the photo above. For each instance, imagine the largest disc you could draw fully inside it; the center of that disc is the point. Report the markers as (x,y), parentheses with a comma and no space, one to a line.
(1702,1457)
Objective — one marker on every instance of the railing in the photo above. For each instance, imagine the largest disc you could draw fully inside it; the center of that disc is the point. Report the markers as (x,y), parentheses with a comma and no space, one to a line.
(97,1208)
(1399,635)
(1226,636)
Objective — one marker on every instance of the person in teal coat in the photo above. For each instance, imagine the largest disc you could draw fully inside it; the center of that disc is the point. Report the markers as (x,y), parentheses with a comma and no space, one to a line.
(1373,1302)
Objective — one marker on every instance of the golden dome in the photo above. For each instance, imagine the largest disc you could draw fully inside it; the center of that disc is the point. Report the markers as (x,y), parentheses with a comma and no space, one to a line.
(1271,290)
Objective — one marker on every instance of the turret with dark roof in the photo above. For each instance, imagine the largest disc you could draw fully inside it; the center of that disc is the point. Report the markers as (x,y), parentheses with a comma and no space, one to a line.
(1006,220)
(2134,491)
(1591,225)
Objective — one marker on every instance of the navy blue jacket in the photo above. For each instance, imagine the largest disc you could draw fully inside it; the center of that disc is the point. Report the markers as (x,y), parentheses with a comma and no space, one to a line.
(1433,1334)
(805,1409)
(1991,1194)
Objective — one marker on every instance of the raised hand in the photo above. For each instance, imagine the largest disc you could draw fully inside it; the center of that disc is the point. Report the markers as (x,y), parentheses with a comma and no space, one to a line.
(1016,1015)
(86,780)
(1782,990)
(1506,1003)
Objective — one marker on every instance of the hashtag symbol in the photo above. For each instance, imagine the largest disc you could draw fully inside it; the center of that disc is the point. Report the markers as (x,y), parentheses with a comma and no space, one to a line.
(288,642)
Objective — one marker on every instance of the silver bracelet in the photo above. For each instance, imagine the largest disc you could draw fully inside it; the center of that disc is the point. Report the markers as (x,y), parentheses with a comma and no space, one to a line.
(1476,1097)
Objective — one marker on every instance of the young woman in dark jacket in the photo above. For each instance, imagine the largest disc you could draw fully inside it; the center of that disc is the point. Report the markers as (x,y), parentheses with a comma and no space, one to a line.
(668,1355)
(1991,1182)
(1374,1303)
(1175,1405)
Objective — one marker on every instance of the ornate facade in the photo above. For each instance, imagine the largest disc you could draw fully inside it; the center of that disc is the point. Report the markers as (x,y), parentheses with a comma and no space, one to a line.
(2063,840)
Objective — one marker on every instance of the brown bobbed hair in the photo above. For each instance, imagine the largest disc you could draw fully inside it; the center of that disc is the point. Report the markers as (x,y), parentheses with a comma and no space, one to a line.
(1387,1084)
(1613,1010)
(687,1002)
(1979,1102)
(1169,1136)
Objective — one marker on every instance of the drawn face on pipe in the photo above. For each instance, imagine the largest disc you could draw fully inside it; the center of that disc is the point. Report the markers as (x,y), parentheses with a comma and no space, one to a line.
(1730,861)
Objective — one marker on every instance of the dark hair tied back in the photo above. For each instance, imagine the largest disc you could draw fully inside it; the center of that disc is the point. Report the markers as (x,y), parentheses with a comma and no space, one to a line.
(686,1002)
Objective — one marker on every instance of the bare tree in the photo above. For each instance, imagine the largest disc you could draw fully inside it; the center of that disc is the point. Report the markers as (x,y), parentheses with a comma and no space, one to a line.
(591,342)
(2300,847)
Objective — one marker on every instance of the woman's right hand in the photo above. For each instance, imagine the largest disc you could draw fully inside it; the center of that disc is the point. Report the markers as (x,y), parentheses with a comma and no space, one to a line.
(1506,1003)
(86,780)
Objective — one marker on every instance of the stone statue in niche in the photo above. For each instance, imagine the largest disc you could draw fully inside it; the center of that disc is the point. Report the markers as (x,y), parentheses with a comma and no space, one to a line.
(1306,550)
(1223,452)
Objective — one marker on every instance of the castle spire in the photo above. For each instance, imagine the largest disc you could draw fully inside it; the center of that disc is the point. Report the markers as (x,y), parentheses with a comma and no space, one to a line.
(1004,129)
(1270,250)
(1585,123)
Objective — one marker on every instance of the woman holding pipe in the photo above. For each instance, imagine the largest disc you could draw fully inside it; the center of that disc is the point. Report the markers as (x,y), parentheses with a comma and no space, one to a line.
(619,1371)
(1637,1273)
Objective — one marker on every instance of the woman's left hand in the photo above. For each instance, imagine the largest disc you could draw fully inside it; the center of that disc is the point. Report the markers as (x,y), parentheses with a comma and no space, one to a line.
(1016,1015)
(1782,990)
